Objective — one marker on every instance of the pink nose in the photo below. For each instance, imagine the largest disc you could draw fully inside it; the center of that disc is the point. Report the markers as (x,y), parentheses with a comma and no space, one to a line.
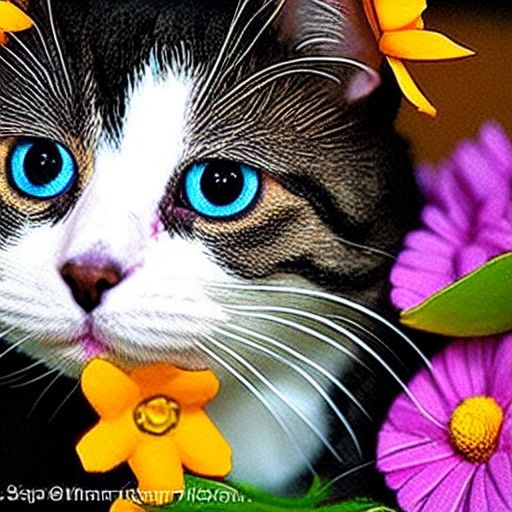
(88,283)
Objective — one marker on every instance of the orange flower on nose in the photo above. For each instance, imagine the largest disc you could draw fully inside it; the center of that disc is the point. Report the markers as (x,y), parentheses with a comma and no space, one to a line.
(399,28)
(153,419)
(12,19)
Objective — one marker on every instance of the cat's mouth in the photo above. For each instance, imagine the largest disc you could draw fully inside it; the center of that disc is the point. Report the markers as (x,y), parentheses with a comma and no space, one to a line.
(93,346)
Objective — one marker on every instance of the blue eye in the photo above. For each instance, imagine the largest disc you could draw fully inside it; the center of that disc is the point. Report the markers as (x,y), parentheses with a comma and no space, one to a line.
(41,169)
(222,189)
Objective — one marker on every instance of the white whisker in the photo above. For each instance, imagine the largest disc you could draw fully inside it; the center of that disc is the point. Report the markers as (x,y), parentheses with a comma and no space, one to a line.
(36,379)
(43,394)
(59,48)
(345,332)
(301,357)
(64,402)
(329,298)
(15,346)
(19,374)
(257,394)
(306,330)
(261,377)
(321,391)
(346,474)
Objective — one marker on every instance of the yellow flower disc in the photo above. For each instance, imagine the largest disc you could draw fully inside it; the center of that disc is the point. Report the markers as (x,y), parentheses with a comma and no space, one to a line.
(157,416)
(475,428)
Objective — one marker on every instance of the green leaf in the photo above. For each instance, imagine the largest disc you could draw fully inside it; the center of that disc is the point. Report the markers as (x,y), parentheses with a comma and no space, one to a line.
(212,496)
(480,304)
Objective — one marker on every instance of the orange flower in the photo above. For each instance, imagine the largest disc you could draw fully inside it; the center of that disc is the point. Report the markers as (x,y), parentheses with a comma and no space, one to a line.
(153,419)
(399,28)
(121,505)
(12,19)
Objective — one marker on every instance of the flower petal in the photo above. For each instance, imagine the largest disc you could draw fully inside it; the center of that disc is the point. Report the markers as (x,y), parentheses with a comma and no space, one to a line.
(398,13)
(501,371)
(188,388)
(372,16)
(500,474)
(108,445)
(410,89)
(421,45)
(108,389)
(121,505)
(419,455)
(202,448)
(406,417)
(477,498)
(424,482)
(157,466)
(449,493)
(13,19)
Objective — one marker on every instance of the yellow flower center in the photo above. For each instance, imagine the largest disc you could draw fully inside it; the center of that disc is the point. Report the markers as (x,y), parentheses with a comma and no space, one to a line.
(157,416)
(475,428)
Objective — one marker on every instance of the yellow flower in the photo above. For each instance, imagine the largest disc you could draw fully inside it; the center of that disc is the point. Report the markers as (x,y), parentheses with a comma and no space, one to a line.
(399,28)
(121,505)
(153,419)
(12,19)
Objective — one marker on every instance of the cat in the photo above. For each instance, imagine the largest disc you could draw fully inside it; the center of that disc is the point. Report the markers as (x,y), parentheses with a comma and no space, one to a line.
(215,185)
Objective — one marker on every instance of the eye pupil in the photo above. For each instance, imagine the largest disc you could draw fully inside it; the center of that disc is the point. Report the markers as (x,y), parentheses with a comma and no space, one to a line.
(41,168)
(222,184)
(43,163)
(221,189)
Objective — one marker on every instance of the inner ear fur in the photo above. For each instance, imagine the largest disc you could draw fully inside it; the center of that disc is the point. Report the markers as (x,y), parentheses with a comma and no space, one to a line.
(337,28)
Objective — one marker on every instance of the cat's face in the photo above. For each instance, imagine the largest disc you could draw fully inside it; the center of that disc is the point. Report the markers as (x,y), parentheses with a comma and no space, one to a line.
(181,181)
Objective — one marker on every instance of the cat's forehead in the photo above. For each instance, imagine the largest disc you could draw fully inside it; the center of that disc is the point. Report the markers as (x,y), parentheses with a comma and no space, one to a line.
(117,34)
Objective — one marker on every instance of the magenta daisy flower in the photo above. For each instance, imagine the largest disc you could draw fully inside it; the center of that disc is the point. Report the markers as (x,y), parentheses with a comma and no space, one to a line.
(455,452)
(467,220)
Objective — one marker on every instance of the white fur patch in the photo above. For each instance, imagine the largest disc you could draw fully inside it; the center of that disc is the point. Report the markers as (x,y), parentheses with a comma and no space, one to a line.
(117,211)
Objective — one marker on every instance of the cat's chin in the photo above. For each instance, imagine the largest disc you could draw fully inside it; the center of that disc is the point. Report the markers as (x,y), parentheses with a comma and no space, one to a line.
(70,358)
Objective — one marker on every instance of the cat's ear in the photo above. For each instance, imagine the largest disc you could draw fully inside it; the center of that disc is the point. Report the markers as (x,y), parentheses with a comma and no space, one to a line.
(335,28)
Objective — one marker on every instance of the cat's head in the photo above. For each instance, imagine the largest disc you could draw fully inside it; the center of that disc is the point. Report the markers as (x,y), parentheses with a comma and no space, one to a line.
(172,172)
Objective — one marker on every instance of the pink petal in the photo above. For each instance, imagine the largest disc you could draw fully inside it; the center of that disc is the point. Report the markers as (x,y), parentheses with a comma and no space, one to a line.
(420,455)
(475,174)
(497,145)
(426,242)
(427,391)
(455,370)
(477,494)
(422,282)
(392,441)
(427,178)
(425,482)
(458,204)
(436,220)
(461,371)
(405,299)
(479,358)
(499,471)
(501,374)
(469,259)
(495,206)
(397,479)
(496,238)
(426,261)
(450,495)
(406,417)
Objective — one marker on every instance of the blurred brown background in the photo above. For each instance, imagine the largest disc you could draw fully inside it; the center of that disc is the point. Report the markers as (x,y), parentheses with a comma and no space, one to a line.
(468,92)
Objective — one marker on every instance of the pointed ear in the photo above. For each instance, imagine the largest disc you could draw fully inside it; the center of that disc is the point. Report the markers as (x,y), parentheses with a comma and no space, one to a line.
(334,28)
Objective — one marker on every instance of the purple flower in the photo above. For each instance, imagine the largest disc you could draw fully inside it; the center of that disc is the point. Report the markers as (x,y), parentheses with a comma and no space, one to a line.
(450,449)
(467,220)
